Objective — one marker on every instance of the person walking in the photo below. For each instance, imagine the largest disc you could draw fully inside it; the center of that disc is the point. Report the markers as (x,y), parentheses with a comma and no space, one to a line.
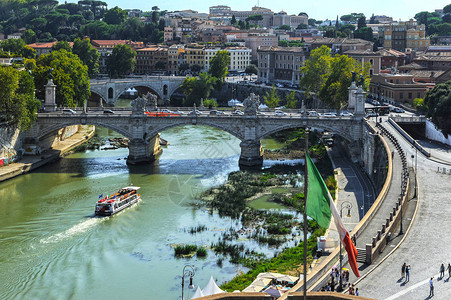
(449,270)
(431,287)
(357,292)
(407,273)
(442,271)
(403,270)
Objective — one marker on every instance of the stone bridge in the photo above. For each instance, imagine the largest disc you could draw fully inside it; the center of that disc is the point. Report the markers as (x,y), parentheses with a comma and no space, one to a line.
(143,130)
(111,89)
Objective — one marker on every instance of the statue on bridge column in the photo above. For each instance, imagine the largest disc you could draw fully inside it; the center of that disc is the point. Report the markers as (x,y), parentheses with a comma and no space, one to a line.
(251,104)
(138,105)
(152,101)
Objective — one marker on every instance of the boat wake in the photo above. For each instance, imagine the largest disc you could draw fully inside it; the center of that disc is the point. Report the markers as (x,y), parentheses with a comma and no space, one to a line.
(76,229)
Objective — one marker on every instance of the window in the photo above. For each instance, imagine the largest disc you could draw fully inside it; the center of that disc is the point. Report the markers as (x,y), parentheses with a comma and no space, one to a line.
(401,95)
(410,95)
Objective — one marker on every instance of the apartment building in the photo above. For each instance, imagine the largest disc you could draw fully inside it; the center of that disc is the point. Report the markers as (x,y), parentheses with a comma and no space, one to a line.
(151,59)
(280,64)
(240,58)
(195,55)
(367,56)
(175,58)
(282,18)
(402,35)
(340,45)
(399,88)
(44,48)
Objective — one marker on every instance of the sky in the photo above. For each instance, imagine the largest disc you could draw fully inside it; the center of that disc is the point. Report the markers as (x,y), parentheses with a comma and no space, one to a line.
(316,9)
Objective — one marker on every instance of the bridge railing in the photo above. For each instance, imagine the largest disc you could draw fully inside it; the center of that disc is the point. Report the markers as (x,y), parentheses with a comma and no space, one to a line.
(412,119)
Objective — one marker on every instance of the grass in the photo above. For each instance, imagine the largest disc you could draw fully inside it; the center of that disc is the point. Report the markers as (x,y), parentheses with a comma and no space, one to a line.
(185,250)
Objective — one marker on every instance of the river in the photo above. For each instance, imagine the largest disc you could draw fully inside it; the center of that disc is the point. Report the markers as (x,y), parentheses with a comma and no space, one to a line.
(52,246)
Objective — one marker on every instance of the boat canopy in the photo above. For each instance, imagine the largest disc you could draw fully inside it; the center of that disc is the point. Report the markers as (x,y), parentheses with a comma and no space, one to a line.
(131,188)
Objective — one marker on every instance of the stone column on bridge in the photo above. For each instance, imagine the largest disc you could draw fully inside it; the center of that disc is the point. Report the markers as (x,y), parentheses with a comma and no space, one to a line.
(143,150)
(352,96)
(359,110)
(251,153)
(50,96)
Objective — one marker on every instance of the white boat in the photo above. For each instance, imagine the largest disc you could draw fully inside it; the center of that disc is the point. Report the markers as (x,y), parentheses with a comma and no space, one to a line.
(116,202)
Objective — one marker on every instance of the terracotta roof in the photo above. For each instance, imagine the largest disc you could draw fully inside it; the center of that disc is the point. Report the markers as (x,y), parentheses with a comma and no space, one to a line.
(361,52)
(391,52)
(45,45)
(281,49)
(412,66)
(425,73)
(340,41)
(109,42)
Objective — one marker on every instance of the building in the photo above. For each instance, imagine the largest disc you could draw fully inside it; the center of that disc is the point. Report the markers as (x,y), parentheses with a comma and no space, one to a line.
(392,59)
(168,34)
(282,18)
(266,13)
(280,64)
(220,10)
(240,58)
(256,40)
(175,58)
(367,56)
(45,48)
(195,55)
(152,59)
(400,88)
(402,35)
(105,48)
(383,19)
(340,45)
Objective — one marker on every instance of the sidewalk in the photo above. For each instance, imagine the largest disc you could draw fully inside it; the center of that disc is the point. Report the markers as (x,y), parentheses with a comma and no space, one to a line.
(31,162)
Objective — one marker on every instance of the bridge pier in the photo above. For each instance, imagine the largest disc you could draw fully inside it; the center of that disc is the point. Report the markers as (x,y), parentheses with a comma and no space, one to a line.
(251,154)
(142,151)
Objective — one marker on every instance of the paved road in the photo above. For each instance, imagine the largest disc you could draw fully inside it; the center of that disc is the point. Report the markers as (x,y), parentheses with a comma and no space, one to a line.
(426,246)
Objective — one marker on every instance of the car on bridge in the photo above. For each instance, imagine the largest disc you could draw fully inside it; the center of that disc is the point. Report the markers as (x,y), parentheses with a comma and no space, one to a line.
(312,113)
(346,114)
(238,112)
(216,112)
(68,111)
(195,112)
(280,113)
(329,115)
(108,111)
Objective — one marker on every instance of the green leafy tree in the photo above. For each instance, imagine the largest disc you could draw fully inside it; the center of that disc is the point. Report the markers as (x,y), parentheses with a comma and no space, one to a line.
(196,68)
(121,61)
(233,20)
(183,67)
(115,16)
(311,22)
(438,103)
(219,65)
(271,98)
(251,69)
(62,45)
(302,26)
(291,100)
(70,76)
(160,65)
(254,18)
(29,36)
(364,33)
(447,9)
(28,52)
(315,70)
(88,55)
(361,23)
(196,88)
(286,27)
(335,92)
(418,103)
(17,101)
(14,46)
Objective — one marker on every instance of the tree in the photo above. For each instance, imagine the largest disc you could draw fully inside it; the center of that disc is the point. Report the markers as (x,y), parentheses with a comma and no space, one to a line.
(62,45)
(219,65)
(271,98)
(361,23)
(121,61)
(447,9)
(70,76)
(88,55)
(286,27)
(183,67)
(251,69)
(364,33)
(196,68)
(438,103)
(291,100)
(373,19)
(115,16)
(29,36)
(14,46)
(302,26)
(17,101)
(315,70)
(28,52)
(196,88)
(334,91)
(160,65)
(233,20)
(254,18)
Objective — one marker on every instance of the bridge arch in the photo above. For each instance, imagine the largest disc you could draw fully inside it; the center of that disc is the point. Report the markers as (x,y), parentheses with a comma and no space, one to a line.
(183,121)
(45,130)
(343,132)
(138,86)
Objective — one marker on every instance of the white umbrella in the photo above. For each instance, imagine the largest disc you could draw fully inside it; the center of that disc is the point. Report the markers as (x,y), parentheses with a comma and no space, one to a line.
(211,288)
(273,292)
(198,293)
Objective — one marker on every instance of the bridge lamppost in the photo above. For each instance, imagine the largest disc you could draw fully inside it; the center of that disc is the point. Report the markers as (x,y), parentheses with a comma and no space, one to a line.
(188,270)
(344,205)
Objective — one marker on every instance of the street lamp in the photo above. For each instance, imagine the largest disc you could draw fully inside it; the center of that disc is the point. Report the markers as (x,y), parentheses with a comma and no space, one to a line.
(188,270)
(347,205)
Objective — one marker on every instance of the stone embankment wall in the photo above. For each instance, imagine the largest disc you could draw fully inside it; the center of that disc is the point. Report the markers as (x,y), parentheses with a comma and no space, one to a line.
(435,134)
(54,139)
(9,143)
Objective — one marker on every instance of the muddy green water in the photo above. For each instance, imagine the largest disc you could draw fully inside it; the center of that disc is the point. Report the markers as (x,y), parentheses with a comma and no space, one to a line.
(52,246)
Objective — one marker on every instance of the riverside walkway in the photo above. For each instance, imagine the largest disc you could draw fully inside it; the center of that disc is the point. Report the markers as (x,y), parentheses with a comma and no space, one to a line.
(426,244)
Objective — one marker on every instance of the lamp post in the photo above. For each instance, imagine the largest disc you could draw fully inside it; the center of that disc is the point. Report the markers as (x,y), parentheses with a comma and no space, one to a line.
(188,270)
(348,206)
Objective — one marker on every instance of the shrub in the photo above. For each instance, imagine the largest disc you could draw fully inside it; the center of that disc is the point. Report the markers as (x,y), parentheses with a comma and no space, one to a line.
(201,252)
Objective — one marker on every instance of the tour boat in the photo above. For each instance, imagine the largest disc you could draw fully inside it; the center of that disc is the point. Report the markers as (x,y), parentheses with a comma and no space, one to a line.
(116,202)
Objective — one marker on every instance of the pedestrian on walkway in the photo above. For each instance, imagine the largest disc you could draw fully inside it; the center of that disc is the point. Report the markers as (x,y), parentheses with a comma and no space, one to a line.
(347,276)
(449,270)
(431,287)
(407,273)
(357,292)
(442,271)
(403,270)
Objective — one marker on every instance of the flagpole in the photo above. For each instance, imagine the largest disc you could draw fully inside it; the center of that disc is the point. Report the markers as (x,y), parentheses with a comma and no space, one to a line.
(305,213)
